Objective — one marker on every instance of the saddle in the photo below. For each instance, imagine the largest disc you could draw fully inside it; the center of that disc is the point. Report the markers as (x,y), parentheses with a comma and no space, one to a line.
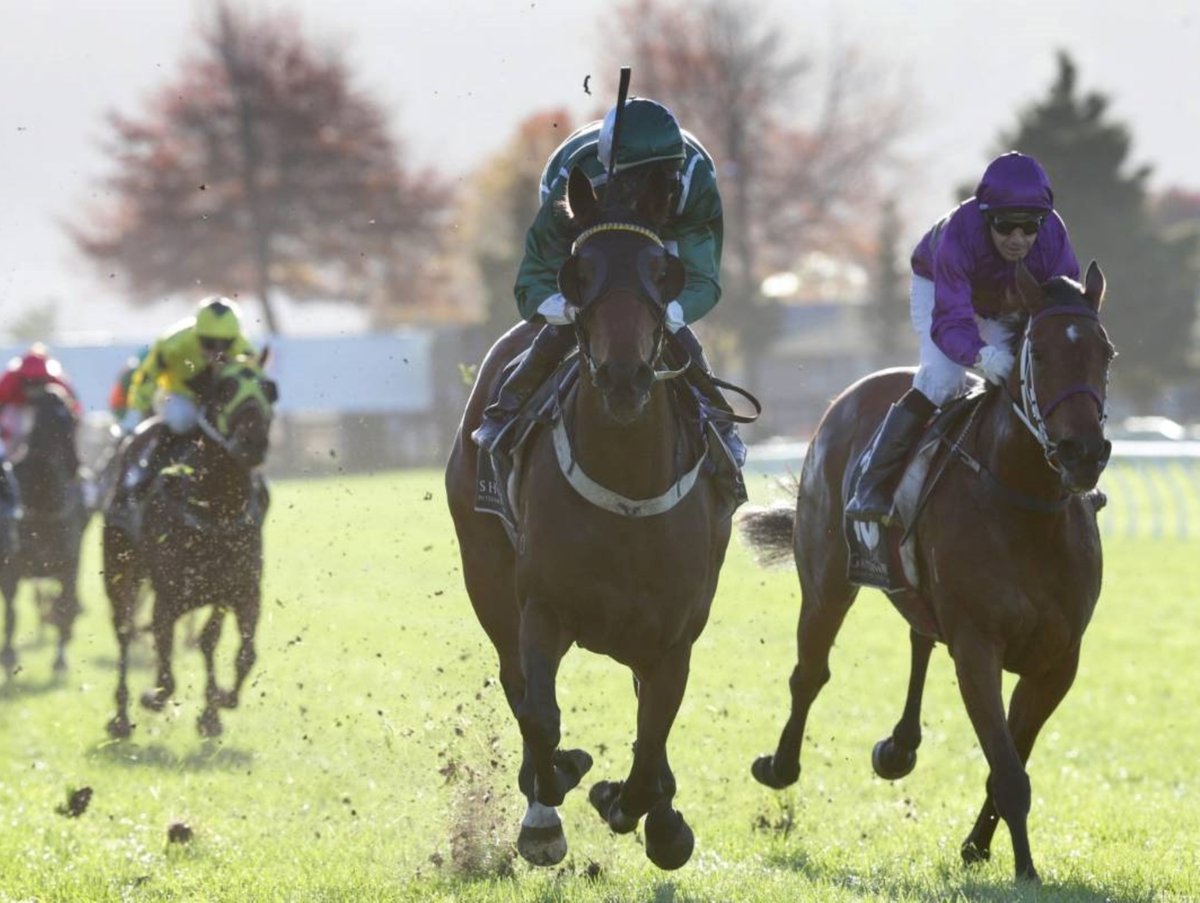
(883,556)
(703,454)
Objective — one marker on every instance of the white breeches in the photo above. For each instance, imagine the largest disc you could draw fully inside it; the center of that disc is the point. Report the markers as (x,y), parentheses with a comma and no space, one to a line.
(179,412)
(939,378)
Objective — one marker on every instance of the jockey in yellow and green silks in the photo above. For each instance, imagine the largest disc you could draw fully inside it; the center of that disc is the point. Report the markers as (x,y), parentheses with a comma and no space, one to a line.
(167,382)
(179,362)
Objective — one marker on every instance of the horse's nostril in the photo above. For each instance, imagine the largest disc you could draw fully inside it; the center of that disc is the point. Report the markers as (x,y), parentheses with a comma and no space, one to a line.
(643,378)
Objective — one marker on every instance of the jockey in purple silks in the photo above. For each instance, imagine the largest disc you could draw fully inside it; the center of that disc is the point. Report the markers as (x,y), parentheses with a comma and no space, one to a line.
(962,270)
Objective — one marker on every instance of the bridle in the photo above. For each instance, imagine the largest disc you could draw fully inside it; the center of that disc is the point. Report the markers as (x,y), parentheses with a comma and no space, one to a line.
(1028,410)
(650,294)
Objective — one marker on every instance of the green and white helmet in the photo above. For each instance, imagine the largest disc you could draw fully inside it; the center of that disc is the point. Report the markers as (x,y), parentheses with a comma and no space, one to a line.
(649,134)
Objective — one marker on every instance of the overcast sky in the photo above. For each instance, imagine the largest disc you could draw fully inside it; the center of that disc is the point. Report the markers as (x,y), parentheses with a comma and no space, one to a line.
(458,74)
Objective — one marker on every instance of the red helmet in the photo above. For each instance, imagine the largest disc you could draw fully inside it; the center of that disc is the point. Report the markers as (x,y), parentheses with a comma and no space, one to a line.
(37,364)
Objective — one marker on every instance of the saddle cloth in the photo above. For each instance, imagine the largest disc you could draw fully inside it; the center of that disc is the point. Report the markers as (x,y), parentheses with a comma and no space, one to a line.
(884,555)
(496,474)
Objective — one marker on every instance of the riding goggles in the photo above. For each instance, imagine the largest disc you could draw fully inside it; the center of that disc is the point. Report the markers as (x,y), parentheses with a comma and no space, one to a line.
(1006,226)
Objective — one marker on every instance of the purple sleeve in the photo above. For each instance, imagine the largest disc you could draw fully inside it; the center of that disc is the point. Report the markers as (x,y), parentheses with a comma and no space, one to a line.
(954,330)
(1057,257)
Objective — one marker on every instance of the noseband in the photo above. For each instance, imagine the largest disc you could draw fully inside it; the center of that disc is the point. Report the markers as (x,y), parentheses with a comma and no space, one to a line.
(1029,411)
(650,294)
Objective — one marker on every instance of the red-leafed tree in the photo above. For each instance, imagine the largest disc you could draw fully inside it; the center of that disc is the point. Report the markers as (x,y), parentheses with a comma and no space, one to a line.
(799,148)
(260,167)
(501,206)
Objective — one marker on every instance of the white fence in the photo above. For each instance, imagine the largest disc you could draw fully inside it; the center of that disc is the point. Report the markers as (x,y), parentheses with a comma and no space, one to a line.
(1153,487)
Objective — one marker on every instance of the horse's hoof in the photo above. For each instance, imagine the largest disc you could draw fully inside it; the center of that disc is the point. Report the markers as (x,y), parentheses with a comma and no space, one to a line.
(974,855)
(571,765)
(119,727)
(767,774)
(669,840)
(209,724)
(542,846)
(890,761)
(604,797)
(1029,875)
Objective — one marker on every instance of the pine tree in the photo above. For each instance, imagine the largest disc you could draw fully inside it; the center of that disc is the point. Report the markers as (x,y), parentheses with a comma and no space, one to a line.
(1151,278)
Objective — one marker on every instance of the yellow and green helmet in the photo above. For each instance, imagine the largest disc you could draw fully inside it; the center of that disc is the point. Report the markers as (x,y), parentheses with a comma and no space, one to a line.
(218,318)
(649,134)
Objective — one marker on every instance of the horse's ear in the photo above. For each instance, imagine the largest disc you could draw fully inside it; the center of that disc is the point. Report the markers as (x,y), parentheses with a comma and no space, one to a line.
(673,278)
(568,280)
(1029,291)
(264,356)
(580,197)
(1093,285)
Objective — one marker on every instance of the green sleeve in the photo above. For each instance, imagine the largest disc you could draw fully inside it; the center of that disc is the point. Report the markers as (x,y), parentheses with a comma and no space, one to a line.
(547,246)
(699,233)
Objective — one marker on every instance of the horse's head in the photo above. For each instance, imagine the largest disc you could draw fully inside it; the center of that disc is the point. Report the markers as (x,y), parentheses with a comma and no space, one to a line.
(1062,373)
(240,407)
(620,278)
(52,426)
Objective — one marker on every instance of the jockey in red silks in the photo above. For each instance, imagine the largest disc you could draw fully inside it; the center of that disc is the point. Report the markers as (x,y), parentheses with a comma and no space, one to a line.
(34,368)
(963,268)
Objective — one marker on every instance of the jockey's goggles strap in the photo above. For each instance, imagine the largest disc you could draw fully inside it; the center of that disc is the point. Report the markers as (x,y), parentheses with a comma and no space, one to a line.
(615,227)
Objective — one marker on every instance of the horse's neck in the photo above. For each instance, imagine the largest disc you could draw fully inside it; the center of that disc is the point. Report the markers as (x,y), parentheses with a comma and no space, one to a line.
(220,481)
(638,460)
(1009,450)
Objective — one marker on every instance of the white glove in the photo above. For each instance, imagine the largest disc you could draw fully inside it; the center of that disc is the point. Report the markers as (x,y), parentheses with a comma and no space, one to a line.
(995,364)
(675,316)
(557,311)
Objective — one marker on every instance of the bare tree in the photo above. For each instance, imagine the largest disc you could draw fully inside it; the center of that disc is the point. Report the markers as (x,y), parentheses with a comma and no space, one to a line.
(794,176)
(260,167)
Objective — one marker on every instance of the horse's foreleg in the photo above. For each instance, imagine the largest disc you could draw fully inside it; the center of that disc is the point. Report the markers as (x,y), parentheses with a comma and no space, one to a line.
(543,643)
(977,663)
(121,586)
(66,610)
(896,756)
(247,621)
(1034,699)
(209,723)
(650,787)
(821,617)
(163,626)
(8,654)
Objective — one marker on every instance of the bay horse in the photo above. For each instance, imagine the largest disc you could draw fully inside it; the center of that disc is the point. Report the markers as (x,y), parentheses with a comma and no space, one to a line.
(200,543)
(49,530)
(1008,550)
(628,571)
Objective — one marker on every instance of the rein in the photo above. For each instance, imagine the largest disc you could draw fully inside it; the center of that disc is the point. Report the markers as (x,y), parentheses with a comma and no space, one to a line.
(645,232)
(1028,410)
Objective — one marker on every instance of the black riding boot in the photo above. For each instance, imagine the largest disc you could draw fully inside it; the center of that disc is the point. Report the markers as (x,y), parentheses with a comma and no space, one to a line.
(547,351)
(700,376)
(885,460)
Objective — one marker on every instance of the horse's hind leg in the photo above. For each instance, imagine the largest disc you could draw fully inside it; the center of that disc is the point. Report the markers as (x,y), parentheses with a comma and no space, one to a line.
(896,756)
(823,607)
(650,786)
(1034,699)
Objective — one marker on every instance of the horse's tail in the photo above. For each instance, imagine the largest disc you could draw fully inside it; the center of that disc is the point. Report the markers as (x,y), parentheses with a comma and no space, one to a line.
(768,532)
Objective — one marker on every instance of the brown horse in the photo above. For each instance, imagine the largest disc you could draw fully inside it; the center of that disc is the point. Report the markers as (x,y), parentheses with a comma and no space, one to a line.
(49,533)
(200,543)
(1008,550)
(615,549)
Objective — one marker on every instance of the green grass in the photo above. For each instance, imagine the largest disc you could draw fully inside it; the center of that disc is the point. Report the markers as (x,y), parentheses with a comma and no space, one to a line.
(373,757)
